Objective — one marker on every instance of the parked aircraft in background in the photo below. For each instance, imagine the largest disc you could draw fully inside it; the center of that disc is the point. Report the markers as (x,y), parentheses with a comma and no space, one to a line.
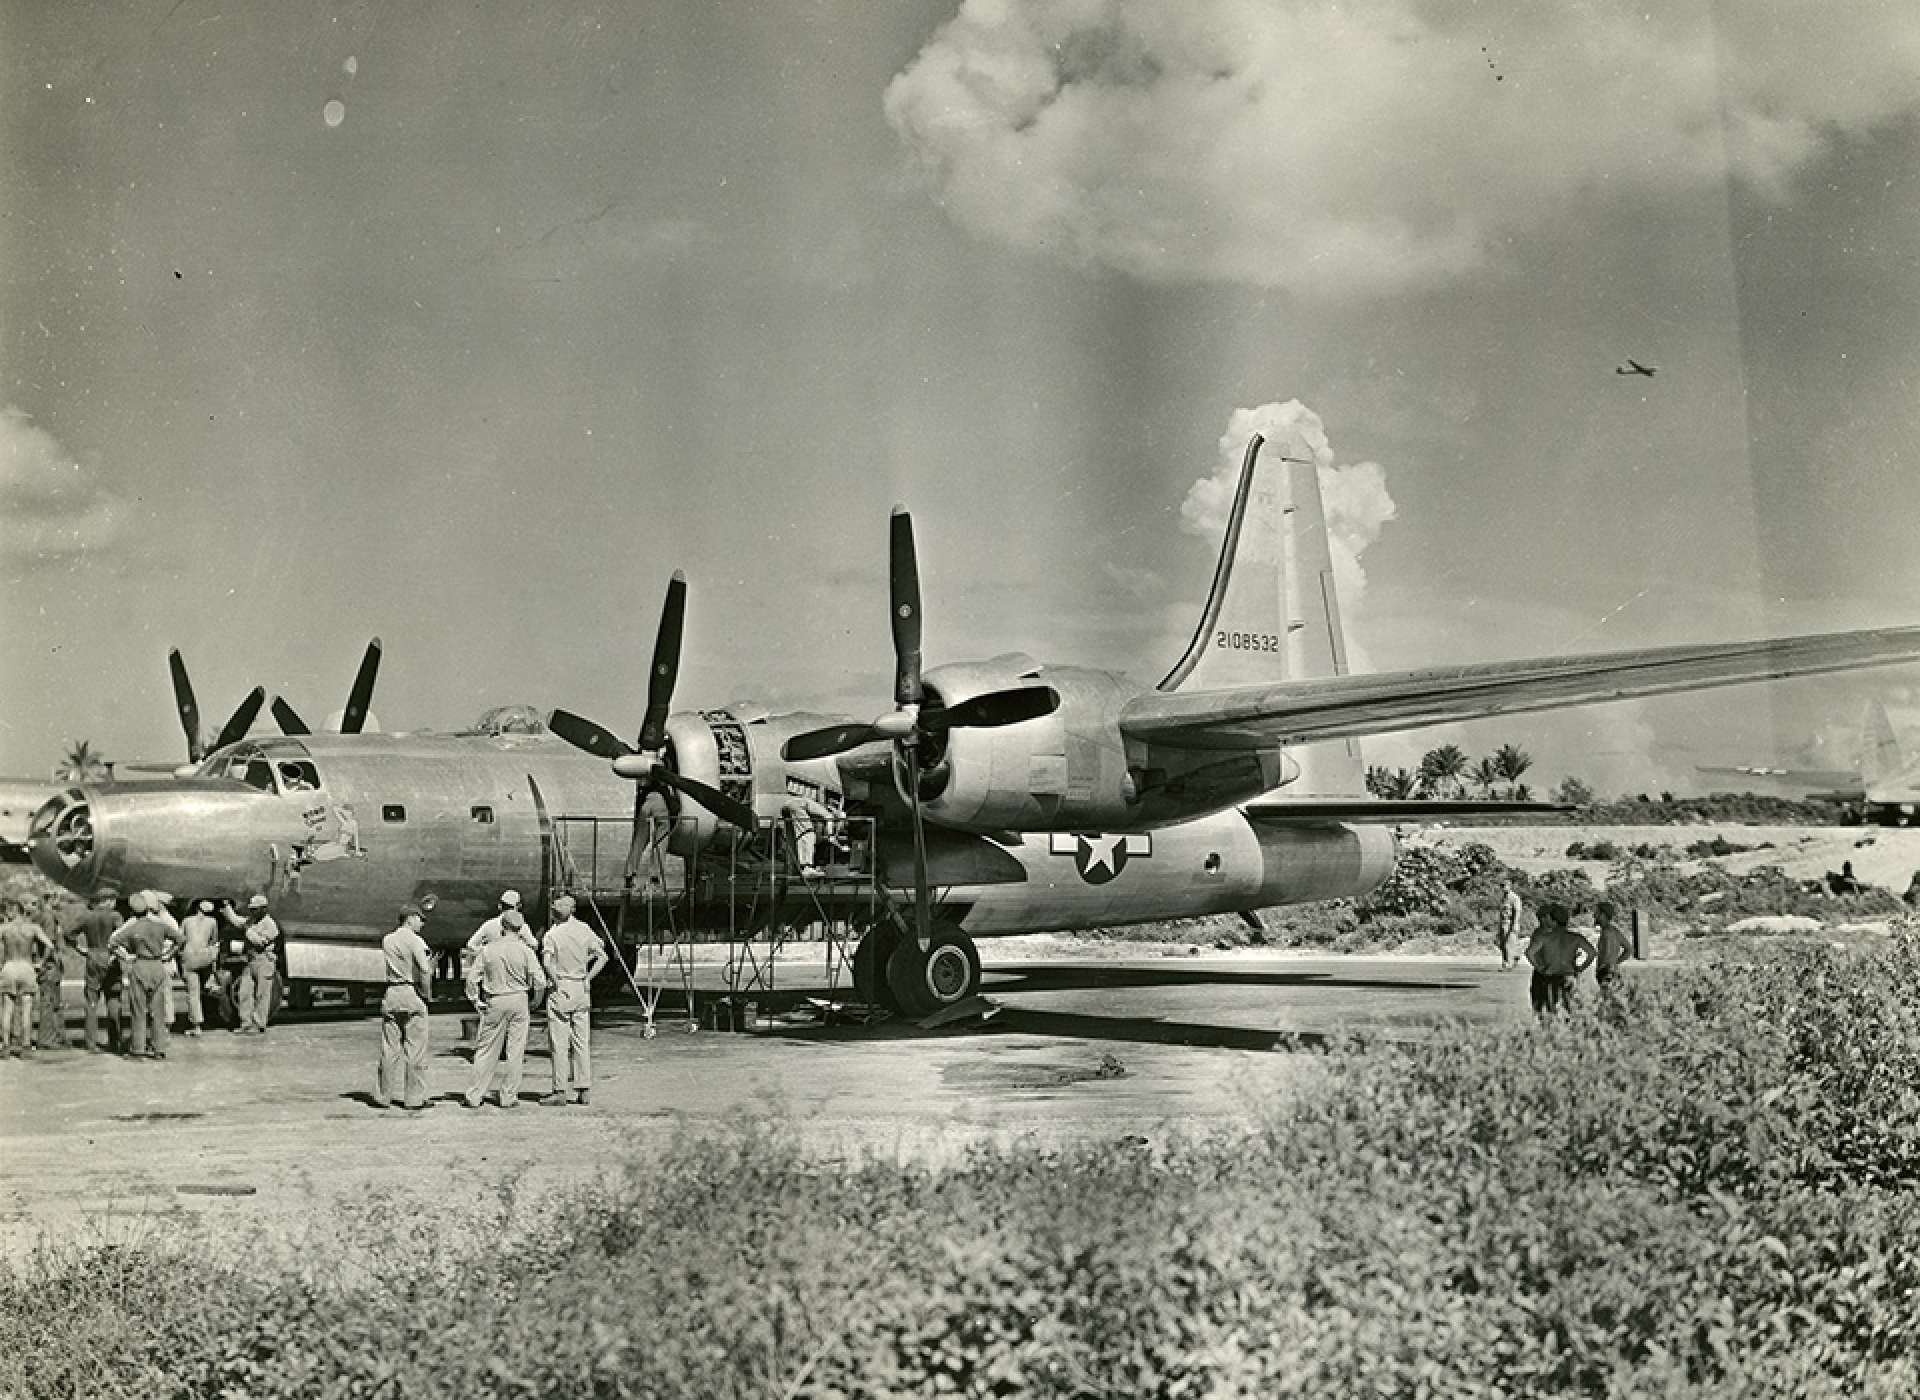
(1883,787)
(1005,795)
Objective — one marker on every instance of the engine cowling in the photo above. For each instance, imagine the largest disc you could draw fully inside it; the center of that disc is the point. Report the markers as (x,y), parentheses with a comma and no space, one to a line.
(1071,770)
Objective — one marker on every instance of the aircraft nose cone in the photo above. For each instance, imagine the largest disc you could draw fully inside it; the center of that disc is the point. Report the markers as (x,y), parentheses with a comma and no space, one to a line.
(61,841)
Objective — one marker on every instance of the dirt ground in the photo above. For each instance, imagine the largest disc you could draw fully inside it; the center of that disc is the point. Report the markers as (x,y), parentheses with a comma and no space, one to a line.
(1089,1045)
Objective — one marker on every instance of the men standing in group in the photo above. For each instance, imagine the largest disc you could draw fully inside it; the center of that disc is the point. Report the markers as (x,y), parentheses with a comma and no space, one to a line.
(22,944)
(573,956)
(505,977)
(144,944)
(403,1014)
(199,949)
(1509,926)
(492,928)
(1559,955)
(262,938)
(91,933)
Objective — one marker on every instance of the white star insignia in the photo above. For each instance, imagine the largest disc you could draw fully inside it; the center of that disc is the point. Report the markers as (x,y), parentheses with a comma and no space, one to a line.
(1101,851)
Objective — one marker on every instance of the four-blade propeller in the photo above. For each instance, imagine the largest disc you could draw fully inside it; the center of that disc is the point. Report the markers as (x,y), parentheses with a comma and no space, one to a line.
(645,760)
(911,722)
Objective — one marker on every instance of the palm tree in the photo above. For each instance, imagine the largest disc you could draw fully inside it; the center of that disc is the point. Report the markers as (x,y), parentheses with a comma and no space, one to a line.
(1399,785)
(1378,780)
(82,763)
(1512,761)
(1484,775)
(1441,770)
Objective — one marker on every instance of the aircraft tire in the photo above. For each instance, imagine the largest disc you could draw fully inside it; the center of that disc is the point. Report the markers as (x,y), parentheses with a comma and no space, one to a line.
(870,968)
(948,973)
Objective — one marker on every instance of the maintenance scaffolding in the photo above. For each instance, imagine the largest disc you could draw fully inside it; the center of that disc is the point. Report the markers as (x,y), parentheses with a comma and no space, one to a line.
(745,898)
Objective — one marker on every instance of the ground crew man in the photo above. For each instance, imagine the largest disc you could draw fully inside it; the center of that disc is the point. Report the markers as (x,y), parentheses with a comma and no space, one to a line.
(652,830)
(261,935)
(1612,946)
(572,957)
(144,944)
(403,1014)
(806,820)
(1559,955)
(53,1012)
(504,978)
(199,950)
(490,930)
(1508,928)
(22,945)
(90,933)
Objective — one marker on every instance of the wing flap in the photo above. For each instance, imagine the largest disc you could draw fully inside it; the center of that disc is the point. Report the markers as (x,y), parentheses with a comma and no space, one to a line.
(1245,717)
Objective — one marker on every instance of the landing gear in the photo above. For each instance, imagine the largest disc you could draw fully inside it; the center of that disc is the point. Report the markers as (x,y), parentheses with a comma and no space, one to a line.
(946,974)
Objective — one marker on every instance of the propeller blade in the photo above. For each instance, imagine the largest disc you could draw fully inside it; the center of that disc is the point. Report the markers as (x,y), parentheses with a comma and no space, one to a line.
(921,914)
(714,800)
(824,743)
(242,719)
(903,595)
(362,693)
(994,709)
(184,702)
(666,665)
(288,719)
(585,734)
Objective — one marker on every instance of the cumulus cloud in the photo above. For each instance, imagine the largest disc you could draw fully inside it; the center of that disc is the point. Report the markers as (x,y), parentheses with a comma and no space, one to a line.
(1355,494)
(1331,148)
(51,508)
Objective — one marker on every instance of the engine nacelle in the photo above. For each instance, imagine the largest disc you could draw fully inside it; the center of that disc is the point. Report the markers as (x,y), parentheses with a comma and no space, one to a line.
(1071,770)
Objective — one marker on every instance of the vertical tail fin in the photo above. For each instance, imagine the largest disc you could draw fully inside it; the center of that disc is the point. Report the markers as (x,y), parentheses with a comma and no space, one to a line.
(1273,612)
(1880,753)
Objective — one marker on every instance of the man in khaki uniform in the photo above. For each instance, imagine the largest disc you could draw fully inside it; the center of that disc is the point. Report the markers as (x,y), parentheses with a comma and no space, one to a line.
(144,944)
(199,950)
(573,956)
(90,933)
(403,1014)
(262,938)
(505,977)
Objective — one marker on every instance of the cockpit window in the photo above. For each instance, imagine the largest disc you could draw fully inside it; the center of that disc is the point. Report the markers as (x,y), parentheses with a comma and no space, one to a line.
(254,771)
(298,775)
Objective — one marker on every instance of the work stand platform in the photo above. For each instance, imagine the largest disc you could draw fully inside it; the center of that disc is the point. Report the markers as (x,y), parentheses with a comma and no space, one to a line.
(701,938)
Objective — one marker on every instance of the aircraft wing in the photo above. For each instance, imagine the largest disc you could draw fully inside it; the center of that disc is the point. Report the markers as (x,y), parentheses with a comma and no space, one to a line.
(1286,712)
(1285,810)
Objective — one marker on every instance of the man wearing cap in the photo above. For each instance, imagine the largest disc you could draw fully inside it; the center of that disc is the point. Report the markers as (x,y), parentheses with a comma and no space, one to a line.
(262,938)
(403,1014)
(199,948)
(572,956)
(91,933)
(491,929)
(504,979)
(144,944)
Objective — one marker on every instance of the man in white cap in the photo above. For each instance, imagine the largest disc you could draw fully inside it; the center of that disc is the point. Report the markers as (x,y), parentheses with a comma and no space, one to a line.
(261,935)
(403,1014)
(506,976)
(491,929)
(199,949)
(144,944)
(572,957)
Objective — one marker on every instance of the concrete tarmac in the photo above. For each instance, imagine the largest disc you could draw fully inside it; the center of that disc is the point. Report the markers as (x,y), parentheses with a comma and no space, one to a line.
(1090,1044)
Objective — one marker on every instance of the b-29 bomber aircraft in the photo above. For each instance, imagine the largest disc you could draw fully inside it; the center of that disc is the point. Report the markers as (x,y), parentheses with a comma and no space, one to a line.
(1007,796)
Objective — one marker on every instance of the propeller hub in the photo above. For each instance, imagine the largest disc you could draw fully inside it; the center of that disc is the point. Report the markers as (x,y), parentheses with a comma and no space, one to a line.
(900,723)
(636,767)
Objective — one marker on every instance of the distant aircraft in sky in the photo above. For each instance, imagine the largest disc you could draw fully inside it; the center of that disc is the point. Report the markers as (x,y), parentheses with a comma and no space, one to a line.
(1635,367)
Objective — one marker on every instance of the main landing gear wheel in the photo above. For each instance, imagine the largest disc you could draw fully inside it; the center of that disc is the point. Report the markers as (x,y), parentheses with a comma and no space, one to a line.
(947,974)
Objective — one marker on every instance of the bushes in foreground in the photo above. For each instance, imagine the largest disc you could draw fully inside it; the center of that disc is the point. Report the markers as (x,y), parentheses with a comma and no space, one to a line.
(1703,1188)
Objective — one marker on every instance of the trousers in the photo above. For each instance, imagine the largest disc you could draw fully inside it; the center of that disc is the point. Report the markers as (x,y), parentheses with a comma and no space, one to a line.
(147,1001)
(570,1035)
(503,1033)
(255,997)
(403,1049)
(103,998)
(200,985)
(18,985)
(53,1024)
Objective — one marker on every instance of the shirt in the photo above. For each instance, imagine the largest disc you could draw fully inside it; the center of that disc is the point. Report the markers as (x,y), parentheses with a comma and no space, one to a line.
(504,966)
(491,930)
(409,964)
(262,936)
(92,930)
(573,952)
(145,938)
(199,940)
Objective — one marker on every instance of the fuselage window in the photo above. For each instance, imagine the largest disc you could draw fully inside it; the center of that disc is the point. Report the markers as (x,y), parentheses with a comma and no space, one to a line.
(297,775)
(1213,863)
(393,812)
(482,815)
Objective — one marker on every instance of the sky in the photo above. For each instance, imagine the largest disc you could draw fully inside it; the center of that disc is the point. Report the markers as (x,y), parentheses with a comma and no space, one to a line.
(466,327)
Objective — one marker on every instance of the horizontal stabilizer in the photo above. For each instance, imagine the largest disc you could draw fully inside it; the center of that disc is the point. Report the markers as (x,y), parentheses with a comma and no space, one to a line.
(1338,707)
(1362,809)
